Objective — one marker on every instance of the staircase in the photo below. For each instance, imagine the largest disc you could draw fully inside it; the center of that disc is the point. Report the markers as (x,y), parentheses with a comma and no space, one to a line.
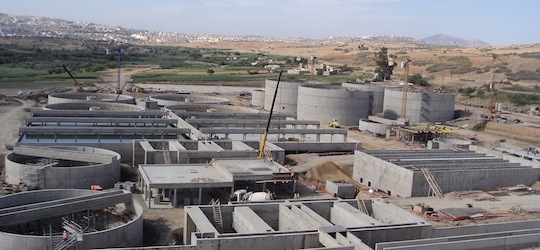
(432,183)
(75,233)
(166,156)
(216,209)
(362,206)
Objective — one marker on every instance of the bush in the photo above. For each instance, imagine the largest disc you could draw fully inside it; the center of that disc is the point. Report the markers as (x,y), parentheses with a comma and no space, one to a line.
(524,75)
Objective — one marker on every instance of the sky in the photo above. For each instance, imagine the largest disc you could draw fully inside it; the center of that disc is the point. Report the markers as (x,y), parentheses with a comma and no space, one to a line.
(497,22)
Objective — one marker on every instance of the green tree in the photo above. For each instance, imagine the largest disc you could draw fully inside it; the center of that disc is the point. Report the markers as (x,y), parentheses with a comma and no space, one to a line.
(418,80)
(383,70)
(210,71)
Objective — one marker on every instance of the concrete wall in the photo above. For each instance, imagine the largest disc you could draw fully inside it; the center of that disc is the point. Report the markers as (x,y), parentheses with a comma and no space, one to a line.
(373,127)
(286,98)
(90,97)
(125,148)
(377,100)
(421,107)
(188,99)
(125,235)
(383,175)
(64,177)
(258,97)
(327,102)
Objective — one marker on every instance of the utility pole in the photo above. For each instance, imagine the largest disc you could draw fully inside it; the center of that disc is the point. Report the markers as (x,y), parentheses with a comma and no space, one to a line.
(405,65)
(118,66)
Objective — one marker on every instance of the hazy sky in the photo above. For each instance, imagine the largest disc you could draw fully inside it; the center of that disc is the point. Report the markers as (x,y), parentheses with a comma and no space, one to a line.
(498,22)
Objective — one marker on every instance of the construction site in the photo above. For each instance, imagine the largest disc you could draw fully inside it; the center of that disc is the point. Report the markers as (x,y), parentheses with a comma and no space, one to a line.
(268,173)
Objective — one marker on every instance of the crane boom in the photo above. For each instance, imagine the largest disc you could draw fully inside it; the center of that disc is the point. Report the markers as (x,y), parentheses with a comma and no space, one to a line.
(77,83)
(263,144)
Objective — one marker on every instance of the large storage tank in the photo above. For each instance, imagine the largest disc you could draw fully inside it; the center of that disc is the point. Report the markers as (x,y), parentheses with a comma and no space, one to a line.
(421,106)
(257,97)
(187,99)
(286,98)
(378,94)
(326,102)
(90,97)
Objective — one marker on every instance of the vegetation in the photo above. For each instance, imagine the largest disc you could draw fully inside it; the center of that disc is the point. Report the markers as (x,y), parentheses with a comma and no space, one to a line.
(524,75)
(383,70)
(418,80)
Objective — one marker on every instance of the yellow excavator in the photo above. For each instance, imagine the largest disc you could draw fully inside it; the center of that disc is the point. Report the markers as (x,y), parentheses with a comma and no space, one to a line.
(334,124)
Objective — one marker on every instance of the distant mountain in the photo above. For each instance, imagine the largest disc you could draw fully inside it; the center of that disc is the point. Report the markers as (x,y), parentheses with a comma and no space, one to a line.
(32,26)
(444,40)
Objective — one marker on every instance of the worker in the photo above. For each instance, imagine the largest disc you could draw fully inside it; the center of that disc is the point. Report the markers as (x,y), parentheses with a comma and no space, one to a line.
(65,235)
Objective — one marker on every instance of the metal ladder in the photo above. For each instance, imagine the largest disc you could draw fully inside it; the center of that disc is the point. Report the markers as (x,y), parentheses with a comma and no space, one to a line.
(362,206)
(432,183)
(216,209)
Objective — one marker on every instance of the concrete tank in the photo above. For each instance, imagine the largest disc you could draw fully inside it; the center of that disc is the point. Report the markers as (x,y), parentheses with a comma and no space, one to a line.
(91,97)
(120,228)
(421,106)
(211,108)
(258,97)
(286,98)
(326,102)
(378,93)
(93,106)
(373,127)
(95,166)
(188,99)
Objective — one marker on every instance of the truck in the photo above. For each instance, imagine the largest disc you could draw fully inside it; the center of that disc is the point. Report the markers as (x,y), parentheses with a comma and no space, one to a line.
(248,196)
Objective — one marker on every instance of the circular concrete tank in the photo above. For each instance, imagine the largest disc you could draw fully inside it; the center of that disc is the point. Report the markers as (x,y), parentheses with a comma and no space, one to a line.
(211,108)
(121,227)
(421,106)
(67,167)
(93,106)
(258,97)
(188,99)
(91,97)
(376,128)
(286,98)
(326,102)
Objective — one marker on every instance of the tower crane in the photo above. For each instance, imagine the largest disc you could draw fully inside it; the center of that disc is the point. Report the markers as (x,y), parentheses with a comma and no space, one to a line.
(491,102)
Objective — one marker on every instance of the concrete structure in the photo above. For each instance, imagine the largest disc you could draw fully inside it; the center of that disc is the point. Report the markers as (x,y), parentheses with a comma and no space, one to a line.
(377,101)
(89,97)
(210,108)
(421,107)
(90,105)
(376,128)
(62,167)
(326,102)
(334,224)
(398,172)
(286,98)
(186,184)
(188,99)
(258,97)
(449,143)
(36,220)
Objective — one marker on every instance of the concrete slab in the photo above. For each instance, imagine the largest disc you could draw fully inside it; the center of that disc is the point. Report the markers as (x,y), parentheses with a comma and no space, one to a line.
(183,176)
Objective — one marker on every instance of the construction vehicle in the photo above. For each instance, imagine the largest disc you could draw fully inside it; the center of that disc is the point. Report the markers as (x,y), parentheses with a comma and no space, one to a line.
(334,124)
(77,83)
(243,195)
(265,136)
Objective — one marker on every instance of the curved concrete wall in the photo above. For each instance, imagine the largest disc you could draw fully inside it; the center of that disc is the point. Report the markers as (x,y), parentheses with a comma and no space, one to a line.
(377,101)
(286,97)
(91,97)
(327,102)
(373,127)
(188,99)
(125,235)
(258,97)
(17,167)
(211,108)
(421,107)
(92,106)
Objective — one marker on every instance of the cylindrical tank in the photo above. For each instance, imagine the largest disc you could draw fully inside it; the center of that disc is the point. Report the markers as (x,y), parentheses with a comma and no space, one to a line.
(421,106)
(326,102)
(286,98)
(93,106)
(90,97)
(47,173)
(188,99)
(257,97)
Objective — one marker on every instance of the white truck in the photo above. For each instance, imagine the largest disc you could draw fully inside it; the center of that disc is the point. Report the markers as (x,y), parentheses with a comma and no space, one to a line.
(244,195)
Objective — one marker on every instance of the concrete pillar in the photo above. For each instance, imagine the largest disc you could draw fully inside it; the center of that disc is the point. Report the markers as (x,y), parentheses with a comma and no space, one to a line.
(200,196)
(175,197)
